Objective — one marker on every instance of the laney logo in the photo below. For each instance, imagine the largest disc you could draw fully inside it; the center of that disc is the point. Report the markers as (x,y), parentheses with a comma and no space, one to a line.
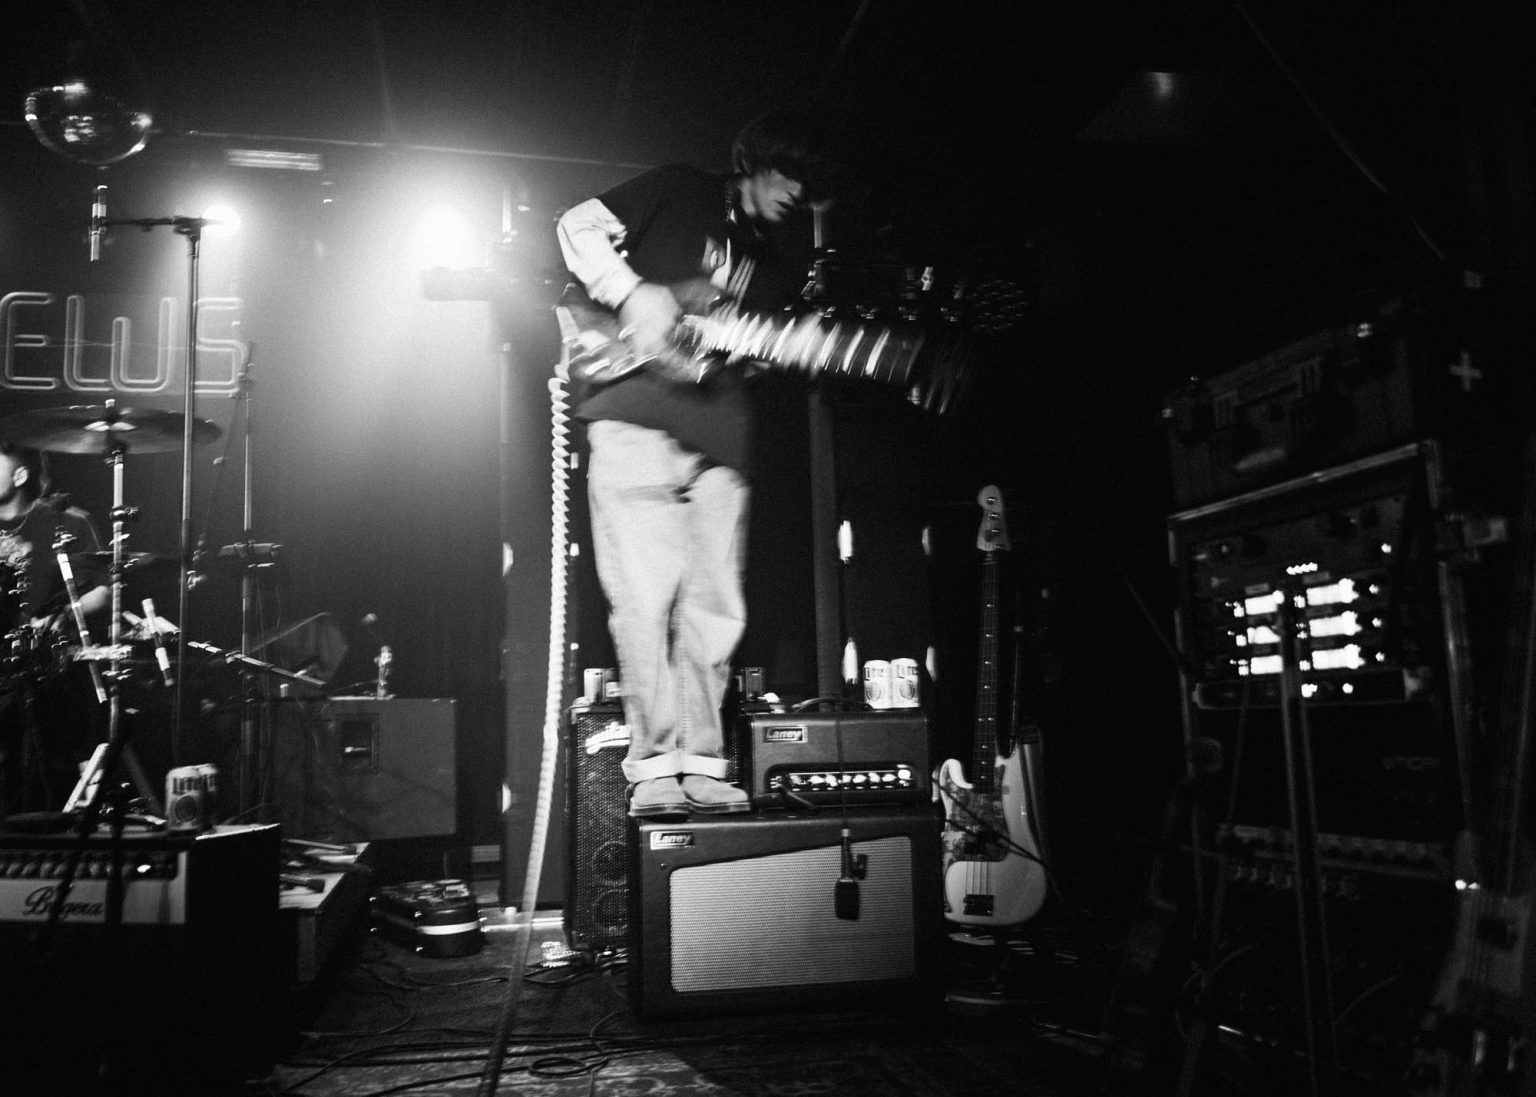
(793,733)
(671,839)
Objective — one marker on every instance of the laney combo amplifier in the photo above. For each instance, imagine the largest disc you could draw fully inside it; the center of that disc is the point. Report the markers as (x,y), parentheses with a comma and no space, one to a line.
(862,759)
(749,913)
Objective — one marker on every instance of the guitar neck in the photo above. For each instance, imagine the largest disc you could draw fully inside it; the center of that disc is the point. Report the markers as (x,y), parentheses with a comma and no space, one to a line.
(929,363)
(984,761)
(809,343)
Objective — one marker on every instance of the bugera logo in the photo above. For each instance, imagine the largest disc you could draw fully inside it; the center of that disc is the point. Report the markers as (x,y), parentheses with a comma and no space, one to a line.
(671,839)
(784,733)
(40,901)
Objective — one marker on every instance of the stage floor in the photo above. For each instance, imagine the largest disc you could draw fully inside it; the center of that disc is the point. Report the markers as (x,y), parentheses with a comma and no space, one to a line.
(387,1020)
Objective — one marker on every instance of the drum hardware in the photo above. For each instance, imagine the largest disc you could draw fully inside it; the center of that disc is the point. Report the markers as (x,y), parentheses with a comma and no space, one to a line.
(132,563)
(108,429)
(111,430)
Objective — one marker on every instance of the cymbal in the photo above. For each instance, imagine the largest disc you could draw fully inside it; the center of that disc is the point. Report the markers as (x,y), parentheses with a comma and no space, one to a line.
(132,561)
(96,428)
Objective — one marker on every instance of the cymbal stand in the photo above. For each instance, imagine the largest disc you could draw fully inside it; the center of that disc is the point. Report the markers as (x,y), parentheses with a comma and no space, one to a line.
(99,773)
(97,780)
(110,691)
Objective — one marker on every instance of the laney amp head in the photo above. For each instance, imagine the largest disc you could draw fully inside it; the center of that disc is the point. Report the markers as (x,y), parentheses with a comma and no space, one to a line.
(863,758)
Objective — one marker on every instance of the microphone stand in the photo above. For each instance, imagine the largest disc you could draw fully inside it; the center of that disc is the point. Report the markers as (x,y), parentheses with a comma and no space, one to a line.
(192,229)
(252,556)
(826,579)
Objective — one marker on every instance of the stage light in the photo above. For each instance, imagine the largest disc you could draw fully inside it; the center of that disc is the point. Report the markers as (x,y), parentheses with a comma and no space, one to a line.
(222,222)
(445,239)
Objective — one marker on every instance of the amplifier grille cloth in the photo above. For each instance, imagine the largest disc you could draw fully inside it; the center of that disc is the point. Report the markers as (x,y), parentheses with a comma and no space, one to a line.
(769,921)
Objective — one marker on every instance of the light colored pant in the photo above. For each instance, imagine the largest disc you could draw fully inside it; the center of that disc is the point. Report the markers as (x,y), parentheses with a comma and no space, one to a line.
(669,532)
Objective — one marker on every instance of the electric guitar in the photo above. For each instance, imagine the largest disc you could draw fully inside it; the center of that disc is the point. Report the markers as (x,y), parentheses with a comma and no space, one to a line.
(1477,1037)
(992,872)
(714,332)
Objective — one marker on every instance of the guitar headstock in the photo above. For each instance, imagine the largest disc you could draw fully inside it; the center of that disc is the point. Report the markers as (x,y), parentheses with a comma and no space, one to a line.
(993,534)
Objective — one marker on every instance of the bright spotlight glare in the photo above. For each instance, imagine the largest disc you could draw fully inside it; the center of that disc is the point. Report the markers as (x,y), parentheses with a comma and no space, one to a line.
(444,238)
(222,222)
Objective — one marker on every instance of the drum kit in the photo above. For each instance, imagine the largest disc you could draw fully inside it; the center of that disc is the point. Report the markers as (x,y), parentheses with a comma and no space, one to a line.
(137,651)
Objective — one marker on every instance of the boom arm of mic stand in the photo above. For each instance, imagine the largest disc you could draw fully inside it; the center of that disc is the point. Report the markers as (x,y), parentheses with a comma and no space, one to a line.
(255,664)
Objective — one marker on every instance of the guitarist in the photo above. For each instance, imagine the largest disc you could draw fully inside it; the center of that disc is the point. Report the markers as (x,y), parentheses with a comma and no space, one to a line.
(667,477)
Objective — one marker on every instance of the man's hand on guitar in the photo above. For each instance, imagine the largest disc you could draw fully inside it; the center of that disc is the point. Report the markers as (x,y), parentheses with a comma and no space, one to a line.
(649,316)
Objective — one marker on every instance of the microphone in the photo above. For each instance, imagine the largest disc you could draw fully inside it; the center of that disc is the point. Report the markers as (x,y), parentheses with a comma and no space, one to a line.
(162,657)
(98,220)
(370,621)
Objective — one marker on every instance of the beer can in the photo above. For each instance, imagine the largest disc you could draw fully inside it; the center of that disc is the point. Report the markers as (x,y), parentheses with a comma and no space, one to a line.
(186,800)
(904,683)
(877,683)
(611,690)
(592,684)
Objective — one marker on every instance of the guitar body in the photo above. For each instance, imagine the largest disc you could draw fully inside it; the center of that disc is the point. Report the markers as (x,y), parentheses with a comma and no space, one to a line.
(987,881)
(1474,1040)
(597,354)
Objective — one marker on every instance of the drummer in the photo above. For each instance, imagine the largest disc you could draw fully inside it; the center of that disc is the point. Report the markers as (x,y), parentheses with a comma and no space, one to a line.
(48,720)
(30,523)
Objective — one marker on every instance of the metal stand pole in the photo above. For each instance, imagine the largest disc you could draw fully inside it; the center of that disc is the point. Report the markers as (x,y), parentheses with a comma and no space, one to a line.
(252,759)
(191,228)
(1311,921)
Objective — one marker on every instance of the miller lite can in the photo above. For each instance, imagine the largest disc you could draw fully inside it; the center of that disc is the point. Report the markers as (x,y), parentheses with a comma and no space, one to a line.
(904,683)
(187,809)
(877,683)
(592,684)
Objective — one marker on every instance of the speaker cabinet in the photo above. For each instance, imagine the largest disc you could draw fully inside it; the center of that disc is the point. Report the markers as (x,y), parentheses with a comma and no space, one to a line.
(738,915)
(597,827)
(359,769)
(182,995)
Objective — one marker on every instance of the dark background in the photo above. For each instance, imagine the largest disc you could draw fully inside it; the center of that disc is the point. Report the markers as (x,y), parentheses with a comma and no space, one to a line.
(1168,189)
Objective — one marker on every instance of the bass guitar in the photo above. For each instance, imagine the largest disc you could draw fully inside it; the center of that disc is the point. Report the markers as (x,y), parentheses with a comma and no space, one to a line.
(993,875)
(714,332)
(1480,1034)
